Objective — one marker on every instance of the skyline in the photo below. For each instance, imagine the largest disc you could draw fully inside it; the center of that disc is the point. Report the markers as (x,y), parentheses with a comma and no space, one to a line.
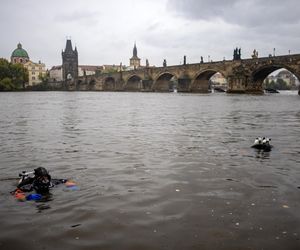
(105,32)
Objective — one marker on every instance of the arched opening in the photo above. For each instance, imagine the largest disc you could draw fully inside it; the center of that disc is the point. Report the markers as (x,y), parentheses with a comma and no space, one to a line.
(274,78)
(218,83)
(69,76)
(166,83)
(109,84)
(207,80)
(134,83)
(92,82)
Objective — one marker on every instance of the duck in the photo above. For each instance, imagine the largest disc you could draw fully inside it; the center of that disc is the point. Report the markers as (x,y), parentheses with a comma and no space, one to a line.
(262,143)
(257,141)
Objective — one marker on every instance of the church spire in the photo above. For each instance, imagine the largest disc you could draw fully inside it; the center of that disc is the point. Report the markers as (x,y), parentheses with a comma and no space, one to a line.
(134,50)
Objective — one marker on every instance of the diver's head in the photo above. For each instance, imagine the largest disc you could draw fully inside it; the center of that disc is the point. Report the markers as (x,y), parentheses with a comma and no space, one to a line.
(42,180)
(40,171)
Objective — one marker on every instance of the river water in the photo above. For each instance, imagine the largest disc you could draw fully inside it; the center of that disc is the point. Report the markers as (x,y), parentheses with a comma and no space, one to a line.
(154,170)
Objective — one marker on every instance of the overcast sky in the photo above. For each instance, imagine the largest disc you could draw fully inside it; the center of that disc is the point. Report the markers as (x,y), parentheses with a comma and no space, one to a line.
(105,31)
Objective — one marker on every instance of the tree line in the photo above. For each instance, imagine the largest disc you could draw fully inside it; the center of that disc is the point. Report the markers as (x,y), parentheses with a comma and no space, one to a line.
(279,84)
(12,76)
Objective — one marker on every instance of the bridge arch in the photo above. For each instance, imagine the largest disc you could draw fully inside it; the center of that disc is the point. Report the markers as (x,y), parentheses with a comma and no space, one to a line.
(201,83)
(133,83)
(165,82)
(109,84)
(260,74)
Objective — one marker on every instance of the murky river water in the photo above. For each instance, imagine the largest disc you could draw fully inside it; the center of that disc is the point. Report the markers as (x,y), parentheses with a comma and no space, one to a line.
(155,171)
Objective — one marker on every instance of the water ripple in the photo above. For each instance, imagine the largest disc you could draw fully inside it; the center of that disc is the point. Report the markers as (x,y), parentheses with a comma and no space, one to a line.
(154,171)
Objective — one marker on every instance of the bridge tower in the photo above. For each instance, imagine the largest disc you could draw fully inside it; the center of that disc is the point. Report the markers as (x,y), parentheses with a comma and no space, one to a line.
(70,62)
(135,62)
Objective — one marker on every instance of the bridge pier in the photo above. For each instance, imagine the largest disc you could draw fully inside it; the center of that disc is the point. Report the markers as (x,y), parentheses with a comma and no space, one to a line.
(183,84)
(255,88)
(146,85)
(70,85)
(242,85)
(161,85)
(236,85)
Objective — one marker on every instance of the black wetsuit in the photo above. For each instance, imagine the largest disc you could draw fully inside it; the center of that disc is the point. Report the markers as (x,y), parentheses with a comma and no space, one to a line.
(29,184)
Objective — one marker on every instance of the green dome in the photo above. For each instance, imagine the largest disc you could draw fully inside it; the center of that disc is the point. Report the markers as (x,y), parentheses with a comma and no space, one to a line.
(19,52)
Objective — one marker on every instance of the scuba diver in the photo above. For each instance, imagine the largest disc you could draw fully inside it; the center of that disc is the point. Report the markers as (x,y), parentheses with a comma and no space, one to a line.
(39,180)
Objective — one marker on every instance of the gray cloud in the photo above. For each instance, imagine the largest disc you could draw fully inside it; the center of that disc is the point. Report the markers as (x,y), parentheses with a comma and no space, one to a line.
(104,31)
(246,13)
(200,9)
(85,17)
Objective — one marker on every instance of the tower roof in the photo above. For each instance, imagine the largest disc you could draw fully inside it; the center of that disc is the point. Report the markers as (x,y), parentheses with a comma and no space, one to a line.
(134,52)
(20,52)
(68,46)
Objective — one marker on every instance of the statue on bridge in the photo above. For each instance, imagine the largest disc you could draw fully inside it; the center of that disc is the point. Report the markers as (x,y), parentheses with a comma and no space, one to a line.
(201,59)
(255,54)
(237,54)
(147,63)
(165,63)
(184,60)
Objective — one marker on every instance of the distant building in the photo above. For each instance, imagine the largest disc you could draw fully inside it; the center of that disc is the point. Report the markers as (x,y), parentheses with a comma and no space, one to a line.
(287,76)
(69,62)
(19,55)
(271,78)
(218,79)
(106,68)
(55,74)
(35,72)
(134,61)
(88,70)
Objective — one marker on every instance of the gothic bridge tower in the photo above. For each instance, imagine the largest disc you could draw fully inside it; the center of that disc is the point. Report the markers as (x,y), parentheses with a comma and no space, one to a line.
(70,62)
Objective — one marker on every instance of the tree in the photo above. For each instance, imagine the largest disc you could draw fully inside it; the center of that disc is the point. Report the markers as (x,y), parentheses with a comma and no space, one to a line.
(271,85)
(280,84)
(4,68)
(6,84)
(12,76)
(44,77)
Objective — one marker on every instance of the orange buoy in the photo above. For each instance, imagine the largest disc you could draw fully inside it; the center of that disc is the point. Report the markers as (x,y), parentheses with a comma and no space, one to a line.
(70,183)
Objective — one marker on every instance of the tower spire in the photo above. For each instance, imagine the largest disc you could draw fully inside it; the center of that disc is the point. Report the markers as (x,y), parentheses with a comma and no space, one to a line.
(134,50)
(134,60)
(69,47)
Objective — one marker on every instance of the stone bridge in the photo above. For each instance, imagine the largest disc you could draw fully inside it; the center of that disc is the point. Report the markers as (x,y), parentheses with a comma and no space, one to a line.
(243,76)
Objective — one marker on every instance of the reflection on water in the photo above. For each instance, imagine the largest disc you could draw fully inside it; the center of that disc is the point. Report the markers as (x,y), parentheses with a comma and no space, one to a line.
(264,154)
(155,171)
(43,204)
